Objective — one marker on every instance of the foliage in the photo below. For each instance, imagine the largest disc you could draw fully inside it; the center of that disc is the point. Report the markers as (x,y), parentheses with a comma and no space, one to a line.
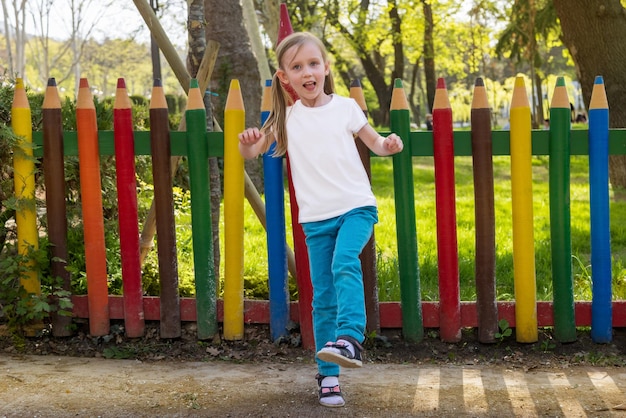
(20,309)
(505,330)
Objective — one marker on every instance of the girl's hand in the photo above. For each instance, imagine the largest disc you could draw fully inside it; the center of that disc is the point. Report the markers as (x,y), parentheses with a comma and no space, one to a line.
(393,144)
(250,142)
(250,136)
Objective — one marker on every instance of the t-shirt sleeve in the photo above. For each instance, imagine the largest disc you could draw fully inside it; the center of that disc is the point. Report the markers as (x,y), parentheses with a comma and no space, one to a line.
(357,117)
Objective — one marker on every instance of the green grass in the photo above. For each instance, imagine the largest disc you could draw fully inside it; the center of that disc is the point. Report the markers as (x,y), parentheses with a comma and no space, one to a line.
(255,251)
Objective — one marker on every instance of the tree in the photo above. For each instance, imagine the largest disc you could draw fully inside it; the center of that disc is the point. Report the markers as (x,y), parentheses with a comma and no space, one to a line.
(530,19)
(595,34)
(429,54)
(17,61)
(225,24)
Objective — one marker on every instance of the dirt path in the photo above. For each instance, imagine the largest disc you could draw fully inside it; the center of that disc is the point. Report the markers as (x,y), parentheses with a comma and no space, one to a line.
(50,386)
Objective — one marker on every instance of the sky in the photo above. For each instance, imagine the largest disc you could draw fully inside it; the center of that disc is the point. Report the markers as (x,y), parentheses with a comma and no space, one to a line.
(102,19)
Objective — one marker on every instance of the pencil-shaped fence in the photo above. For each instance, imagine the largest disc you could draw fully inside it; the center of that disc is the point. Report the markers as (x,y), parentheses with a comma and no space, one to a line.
(411,314)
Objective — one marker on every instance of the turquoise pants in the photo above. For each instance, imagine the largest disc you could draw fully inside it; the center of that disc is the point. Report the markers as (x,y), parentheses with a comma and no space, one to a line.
(334,246)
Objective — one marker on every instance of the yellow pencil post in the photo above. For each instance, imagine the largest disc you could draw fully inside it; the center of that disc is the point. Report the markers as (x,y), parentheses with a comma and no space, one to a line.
(522,199)
(234,123)
(24,183)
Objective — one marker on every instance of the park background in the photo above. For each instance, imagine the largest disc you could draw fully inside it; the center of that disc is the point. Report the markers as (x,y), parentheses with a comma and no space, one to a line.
(376,42)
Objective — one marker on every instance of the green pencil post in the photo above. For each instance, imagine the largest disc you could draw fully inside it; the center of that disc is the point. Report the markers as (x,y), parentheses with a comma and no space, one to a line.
(412,320)
(560,215)
(206,287)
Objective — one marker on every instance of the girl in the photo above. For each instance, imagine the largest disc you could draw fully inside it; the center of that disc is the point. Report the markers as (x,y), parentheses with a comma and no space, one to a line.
(337,209)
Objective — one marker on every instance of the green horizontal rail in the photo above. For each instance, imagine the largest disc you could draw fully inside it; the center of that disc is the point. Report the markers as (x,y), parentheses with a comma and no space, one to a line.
(421,143)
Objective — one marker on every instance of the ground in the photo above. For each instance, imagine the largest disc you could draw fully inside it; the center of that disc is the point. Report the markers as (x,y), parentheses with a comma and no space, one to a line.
(256,377)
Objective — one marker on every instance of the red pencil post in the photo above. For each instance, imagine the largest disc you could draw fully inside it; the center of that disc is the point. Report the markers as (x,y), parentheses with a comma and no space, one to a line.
(447,250)
(303,278)
(127,210)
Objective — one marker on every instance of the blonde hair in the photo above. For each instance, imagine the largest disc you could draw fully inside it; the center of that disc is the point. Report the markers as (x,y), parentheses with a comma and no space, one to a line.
(274,127)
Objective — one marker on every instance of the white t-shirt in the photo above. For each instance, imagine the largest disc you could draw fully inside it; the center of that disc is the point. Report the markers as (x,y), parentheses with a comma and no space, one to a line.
(328,176)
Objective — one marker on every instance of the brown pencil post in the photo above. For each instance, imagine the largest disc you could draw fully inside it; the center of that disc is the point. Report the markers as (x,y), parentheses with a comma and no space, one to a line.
(368,255)
(485,270)
(56,213)
(164,205)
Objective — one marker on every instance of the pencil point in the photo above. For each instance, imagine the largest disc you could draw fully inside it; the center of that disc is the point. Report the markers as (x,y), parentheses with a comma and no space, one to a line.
(157,83)
(84,83)
(560,98)
(398,97)
(479,99)
(441,100)
(284,26)
(19,83)
(193,84)
(51,98)
(266,100)
(598,95)
(356,92)
(520,97)
(122,101)
(234,100)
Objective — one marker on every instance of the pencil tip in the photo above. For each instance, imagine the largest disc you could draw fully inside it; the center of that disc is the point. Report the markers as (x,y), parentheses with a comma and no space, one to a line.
(479,82)
(519,81)
(157,83)
(441,83)
(193,84)
(560,81)
(121,84)
(83,83)
(355,83)
(52,82)
(284,24)
(398,83)
(268,83)
(598,80)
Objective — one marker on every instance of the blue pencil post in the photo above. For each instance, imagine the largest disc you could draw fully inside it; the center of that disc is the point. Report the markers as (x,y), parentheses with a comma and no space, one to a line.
(276,234)
(601,307)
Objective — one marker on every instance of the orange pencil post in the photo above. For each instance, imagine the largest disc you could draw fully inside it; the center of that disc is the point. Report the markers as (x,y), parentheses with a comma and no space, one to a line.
(93,221)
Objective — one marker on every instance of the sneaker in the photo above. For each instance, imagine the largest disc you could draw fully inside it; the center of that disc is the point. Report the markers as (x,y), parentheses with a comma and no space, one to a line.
(339,352)
(329,396)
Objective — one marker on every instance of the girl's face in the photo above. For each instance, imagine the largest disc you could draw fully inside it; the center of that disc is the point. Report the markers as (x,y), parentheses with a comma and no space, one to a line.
(303,68)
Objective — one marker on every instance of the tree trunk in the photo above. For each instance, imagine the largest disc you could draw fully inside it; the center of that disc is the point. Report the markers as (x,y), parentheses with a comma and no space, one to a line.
(197,49)
(595,34)
(429,55)
(225,24)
